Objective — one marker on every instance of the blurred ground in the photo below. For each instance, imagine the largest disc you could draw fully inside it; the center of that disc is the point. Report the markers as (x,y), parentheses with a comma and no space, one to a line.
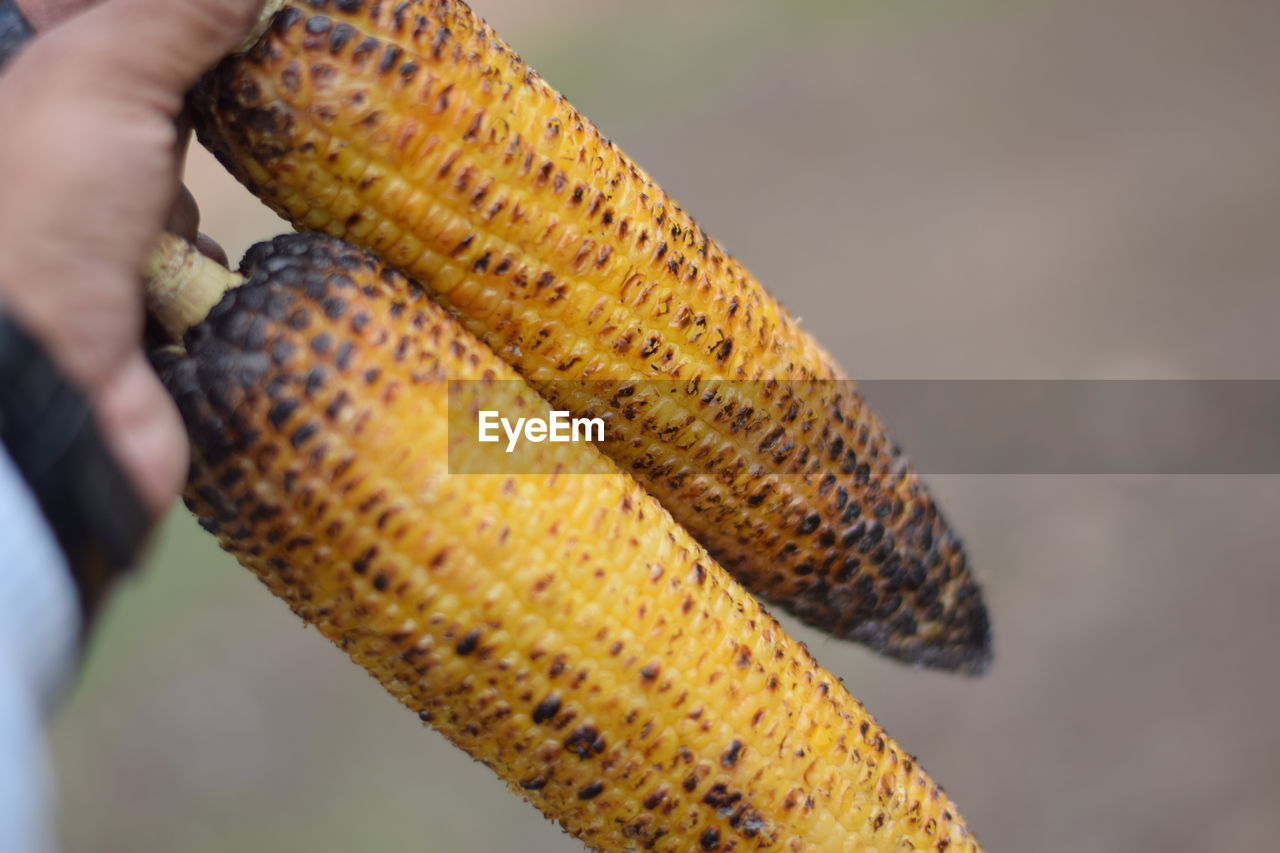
(1052,189)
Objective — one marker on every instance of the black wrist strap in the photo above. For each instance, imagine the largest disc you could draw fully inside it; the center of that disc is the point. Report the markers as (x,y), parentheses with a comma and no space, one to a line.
(48,428)
(15,31)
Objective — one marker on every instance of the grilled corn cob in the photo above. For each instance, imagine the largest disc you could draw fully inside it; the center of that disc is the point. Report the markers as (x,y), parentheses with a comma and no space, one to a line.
(563,630)
(411,129)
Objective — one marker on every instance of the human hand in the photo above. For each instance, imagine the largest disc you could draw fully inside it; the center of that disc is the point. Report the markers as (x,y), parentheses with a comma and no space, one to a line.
(89,173)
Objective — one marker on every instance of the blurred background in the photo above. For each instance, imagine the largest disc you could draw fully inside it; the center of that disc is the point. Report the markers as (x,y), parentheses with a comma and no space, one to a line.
(1045,189)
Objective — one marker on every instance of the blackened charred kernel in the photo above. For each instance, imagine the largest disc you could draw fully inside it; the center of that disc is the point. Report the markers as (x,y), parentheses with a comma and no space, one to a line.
(439,41)
(810,524)
(318,24)
(217,502)
(282,350)
(316,378)
(361,565)
(482,263)
(904,623)
(468,643)
(915,573)
(334,307)
(547,709)
(342,34)
(731,755)
(285,20)
(720,798)
(426,716)
(649,672)
(322,343)
(381,581)
(771,439)
(591,791)
(710,839)
(390,57)
(889,606)
(345,353)
(655,799)
(585,742)
(340,401)
(303,433)
(537,783)
(825,486)
(463,244)
(752,823)
(281,412)
(847,570)
(874,531)
(853,535)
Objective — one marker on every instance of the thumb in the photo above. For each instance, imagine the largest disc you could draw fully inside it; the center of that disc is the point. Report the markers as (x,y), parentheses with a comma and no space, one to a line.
(152,51)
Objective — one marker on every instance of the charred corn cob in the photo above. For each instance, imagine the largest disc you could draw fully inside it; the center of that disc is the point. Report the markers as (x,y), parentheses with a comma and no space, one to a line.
(563,630)
(411,129)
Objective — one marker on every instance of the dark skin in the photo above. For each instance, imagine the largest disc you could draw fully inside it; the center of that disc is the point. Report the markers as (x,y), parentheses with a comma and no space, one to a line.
(90,165)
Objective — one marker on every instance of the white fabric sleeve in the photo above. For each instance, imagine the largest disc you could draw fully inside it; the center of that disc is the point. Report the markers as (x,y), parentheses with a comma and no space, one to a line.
(39,630)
